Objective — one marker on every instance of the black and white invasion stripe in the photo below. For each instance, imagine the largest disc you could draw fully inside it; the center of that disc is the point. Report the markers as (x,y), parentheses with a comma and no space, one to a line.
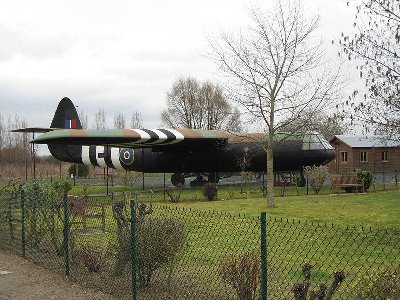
(158,136)
(101,156)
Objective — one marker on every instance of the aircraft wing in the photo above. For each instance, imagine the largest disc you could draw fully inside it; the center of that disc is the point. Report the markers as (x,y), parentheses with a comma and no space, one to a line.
(134,138)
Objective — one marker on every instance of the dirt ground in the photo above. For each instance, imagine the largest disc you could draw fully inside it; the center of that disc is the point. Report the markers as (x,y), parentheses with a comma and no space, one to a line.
(21,279)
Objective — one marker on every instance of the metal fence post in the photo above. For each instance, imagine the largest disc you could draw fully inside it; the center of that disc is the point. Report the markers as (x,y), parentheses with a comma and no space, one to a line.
(133,247)
(66,235)
(164,186)
(23,214)
(263,255)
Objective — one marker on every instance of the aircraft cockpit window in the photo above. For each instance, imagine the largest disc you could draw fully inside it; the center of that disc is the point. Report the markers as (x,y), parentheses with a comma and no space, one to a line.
(315,141)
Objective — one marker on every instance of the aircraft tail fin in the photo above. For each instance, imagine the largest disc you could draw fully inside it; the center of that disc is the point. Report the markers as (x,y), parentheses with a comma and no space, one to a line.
(66,116)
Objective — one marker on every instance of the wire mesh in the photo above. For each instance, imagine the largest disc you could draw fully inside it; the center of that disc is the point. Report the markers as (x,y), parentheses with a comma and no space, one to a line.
(10,218)
(328,249)
(183,253)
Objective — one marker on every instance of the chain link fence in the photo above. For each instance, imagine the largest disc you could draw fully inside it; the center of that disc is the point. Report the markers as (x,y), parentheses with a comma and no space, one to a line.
(101,240)
(233,186)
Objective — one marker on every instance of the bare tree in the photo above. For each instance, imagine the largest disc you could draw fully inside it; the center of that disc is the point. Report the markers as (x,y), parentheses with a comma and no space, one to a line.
(14,147)
(376,49)
(2,132)
(328,125)
(83,118)
(182,109)
(191,104)
(234,123)
(9,138)
(276,72)
(136,120)
(119,121)
(20,140)
(100,119)
(215,107)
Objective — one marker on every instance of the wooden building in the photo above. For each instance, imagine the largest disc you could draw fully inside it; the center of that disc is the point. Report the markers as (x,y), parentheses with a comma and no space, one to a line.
(371,153)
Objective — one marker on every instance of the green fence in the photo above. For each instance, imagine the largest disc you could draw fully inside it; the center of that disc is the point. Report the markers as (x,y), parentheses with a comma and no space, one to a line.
(189,254)
(247,185)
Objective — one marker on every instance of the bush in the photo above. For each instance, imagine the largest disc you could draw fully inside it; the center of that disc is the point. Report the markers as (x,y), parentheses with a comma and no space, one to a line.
(380,285)
(243,274)
(302,291)
(83,170)
(38,206)
(158,241)
(62,186)
(210,191)
(246,178)
(366,177)
(316,176)
(123,243)
(91,256)
(174,193)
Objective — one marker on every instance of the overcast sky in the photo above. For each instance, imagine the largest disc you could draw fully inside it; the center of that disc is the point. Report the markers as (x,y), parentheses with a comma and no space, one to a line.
(119,55)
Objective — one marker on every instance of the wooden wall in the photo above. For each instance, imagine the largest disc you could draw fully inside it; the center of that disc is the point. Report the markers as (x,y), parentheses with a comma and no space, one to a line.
(374,159)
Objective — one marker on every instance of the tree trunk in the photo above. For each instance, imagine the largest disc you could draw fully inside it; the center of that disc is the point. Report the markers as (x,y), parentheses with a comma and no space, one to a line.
(270,176)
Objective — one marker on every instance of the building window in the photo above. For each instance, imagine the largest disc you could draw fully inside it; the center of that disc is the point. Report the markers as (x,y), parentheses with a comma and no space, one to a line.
(385,156)
(343,156)
(363,156)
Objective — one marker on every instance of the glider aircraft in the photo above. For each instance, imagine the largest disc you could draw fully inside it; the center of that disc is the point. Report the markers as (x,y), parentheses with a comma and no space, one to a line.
(183,152)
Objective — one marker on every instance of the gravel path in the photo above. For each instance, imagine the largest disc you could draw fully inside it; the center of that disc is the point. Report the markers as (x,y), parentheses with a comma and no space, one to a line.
(21,279)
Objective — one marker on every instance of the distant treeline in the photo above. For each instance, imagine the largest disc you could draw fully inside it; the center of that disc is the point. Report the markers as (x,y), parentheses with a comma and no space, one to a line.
(16,153)
(14,147)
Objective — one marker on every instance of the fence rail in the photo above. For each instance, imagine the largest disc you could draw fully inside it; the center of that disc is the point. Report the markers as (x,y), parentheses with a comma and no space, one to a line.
(151,251)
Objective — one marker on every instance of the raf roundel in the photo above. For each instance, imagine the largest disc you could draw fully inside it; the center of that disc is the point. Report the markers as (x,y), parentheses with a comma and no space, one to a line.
(126,156)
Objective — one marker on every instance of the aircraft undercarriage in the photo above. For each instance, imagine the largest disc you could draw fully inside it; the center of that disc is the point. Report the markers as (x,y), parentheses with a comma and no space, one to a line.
(178,179)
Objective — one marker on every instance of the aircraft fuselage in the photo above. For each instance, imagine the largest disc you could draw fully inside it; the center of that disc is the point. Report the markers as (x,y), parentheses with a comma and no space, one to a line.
(232,157)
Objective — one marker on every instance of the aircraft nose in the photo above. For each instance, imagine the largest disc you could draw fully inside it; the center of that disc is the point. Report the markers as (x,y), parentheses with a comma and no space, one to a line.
(330,154)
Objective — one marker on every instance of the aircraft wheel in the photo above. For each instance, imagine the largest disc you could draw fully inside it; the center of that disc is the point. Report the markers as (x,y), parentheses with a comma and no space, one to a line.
(199,181)
(177,179)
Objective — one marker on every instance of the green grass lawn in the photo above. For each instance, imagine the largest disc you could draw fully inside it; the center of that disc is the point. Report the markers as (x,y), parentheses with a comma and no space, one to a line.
(380,209)
(376,209)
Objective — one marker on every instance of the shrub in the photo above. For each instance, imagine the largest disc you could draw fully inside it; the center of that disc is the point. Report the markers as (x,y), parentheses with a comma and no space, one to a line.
(243,274)
(38,211)
(122,246)
(158,242)
(45,212)
(246,178)
(316,176)
(302,289)
(83,170)
(380,285)
(91,256)
(210,191)
(61,186)
(366,177)
(174,193)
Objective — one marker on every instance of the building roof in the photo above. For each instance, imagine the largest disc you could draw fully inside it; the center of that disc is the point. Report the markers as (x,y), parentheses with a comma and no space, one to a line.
(373,141)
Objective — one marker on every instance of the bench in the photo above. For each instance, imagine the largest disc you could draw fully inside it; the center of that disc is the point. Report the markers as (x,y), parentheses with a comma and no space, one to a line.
(79,208)
(349,183)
